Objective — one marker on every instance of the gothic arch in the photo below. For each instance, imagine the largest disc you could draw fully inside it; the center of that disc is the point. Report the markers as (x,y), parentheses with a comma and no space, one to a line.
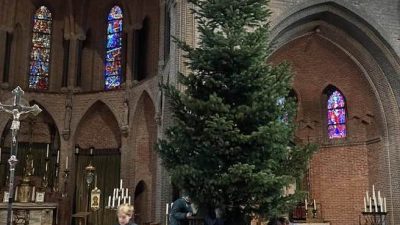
(144,136)
(368,47)
(98,128)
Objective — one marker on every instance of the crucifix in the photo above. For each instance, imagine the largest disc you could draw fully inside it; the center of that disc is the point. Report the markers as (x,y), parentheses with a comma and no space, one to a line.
(16,110)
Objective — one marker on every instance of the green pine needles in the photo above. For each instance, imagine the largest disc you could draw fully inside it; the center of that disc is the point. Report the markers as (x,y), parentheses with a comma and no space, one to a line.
(232,142)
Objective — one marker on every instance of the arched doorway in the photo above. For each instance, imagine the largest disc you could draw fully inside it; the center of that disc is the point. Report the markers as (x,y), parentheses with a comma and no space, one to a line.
(97,141)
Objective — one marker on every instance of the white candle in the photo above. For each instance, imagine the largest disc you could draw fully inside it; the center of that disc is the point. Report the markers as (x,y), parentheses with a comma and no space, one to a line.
(166,209)
(129,200)
(384,205)
(119,200)
(370,204)
(76,150)
(305,203)
(46,166)
(58,156)
(122,193)
(365,205)
(109,201)
(113,202)
(47,152)
(91,151)
(315,206)
(127,192)
(33,193)
(66,163)
(367,195)
(120,184)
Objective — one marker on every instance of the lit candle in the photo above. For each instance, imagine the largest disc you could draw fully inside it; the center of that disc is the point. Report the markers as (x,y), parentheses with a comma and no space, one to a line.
(120,184)
(315,206)
(365,205)
(47,152)
(305,203)
(109,201)
(66,163)
(58,156)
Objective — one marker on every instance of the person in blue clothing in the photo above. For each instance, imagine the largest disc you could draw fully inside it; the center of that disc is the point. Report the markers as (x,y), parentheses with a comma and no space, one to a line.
(181,210)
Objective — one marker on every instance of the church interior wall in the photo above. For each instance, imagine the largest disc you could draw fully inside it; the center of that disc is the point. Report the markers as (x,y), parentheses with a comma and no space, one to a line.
(339,170)
(84,114)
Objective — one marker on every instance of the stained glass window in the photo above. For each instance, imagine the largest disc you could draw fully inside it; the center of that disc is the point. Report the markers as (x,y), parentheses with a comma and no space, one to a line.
(40,53)
(113,58)
(336,115)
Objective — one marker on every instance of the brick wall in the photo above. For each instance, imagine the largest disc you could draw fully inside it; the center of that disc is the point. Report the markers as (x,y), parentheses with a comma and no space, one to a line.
(340,169)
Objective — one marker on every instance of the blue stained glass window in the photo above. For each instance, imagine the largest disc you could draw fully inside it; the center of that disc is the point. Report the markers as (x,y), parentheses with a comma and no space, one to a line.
(113,64)
(40,53)
(336,115)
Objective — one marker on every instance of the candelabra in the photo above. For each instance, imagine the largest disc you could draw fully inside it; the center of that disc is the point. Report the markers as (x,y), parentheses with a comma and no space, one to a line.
(120,196)
(374,209)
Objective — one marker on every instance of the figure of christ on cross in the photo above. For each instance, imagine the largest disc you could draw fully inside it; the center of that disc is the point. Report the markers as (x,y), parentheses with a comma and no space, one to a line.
(16,110)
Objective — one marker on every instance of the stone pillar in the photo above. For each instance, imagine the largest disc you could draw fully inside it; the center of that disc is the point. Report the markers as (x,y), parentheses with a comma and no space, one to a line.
(66,202)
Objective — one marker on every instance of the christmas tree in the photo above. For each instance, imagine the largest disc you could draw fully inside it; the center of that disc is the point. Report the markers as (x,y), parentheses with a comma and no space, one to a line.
(232,142)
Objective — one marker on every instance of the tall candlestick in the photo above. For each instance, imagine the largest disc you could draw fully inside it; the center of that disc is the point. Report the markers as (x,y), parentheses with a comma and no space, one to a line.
(47,152)
(365,205)
(66,163)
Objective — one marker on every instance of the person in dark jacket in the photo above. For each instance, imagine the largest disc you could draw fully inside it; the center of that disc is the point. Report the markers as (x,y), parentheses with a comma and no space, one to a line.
(181,210)
(125,215)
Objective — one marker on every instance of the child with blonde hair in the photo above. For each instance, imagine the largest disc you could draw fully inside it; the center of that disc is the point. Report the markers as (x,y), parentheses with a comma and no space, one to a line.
(125,214)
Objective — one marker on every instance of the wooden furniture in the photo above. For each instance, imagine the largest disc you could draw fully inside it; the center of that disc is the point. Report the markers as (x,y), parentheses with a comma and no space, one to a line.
(81,217)
(31,213)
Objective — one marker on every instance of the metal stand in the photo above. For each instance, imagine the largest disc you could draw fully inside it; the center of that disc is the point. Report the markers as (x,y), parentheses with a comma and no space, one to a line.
(374,218)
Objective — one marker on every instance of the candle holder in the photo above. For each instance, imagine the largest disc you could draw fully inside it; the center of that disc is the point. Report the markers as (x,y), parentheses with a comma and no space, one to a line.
(120,196)
(55,186)
(314,213)
(373,218)
(66,178)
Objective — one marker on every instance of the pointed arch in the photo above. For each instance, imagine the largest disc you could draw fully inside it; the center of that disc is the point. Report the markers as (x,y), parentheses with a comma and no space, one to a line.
(101,121)
(114,49)
(41,48)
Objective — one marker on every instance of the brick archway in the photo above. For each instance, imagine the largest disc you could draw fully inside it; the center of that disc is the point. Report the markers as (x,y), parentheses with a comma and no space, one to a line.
(368,49)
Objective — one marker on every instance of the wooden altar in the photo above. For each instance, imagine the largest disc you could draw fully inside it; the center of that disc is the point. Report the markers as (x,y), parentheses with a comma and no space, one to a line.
(31,213)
